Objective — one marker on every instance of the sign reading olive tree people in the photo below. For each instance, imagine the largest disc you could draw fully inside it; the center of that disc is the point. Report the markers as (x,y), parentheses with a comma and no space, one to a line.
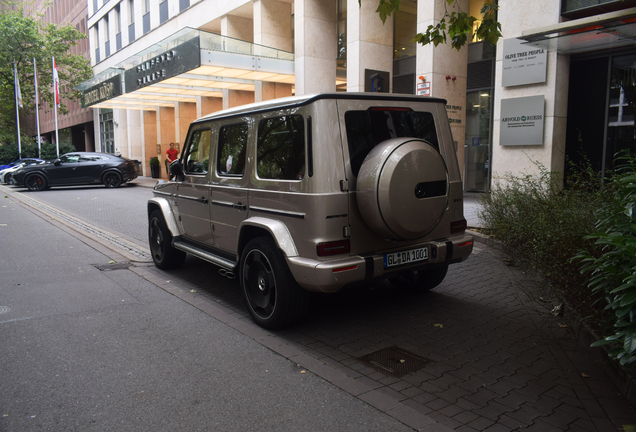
(523,63)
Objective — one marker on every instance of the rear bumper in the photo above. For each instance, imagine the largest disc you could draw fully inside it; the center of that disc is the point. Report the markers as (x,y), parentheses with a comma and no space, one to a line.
(331,276)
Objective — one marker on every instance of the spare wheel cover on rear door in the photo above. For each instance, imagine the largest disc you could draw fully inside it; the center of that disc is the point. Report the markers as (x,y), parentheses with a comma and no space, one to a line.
(402,188)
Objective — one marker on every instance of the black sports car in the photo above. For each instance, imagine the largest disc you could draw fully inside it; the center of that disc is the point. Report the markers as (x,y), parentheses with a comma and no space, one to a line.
(77,168)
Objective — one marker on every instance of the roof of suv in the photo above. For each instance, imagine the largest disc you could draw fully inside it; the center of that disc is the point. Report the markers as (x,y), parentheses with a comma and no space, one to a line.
(295,101)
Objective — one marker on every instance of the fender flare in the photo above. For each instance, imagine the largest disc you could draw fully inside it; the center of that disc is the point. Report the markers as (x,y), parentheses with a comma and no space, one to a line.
(163,206)
(276,228)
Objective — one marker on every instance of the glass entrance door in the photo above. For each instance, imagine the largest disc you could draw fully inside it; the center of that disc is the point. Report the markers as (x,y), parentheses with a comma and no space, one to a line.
(621,130)
(477,144)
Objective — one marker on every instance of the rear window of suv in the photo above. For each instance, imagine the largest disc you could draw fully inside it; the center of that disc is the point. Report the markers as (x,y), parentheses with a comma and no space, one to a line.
(366,129)
(280,151)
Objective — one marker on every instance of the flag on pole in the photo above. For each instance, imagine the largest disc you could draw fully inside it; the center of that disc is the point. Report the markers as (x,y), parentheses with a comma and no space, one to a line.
(56,83)
(35,81)
(17,86)
(37,106)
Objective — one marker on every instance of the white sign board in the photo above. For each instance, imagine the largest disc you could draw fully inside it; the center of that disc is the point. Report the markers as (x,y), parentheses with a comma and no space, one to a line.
(523,63)
(522,121)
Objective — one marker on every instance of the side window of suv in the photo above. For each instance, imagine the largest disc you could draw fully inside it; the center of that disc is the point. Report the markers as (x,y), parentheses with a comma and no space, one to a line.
(231,151)
(366,129)
(197,158)
(280,151)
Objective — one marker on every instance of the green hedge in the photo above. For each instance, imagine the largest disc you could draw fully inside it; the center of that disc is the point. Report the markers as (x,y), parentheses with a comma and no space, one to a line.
(9,152)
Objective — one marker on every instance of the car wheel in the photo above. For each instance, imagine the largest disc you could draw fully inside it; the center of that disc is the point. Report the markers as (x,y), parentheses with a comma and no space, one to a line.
(7,178)
(163,254)
(402,188)
(35,182)
(112,179)
(271,294)
(420,280)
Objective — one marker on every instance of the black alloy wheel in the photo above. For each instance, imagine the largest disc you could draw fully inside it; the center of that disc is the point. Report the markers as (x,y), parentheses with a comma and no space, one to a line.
(160,240)
(271,294)
(35,182)
(112,179)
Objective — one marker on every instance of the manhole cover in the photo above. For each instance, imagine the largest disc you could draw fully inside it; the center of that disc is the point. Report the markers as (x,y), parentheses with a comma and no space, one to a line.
(113,266)
(394,361)
(4,309)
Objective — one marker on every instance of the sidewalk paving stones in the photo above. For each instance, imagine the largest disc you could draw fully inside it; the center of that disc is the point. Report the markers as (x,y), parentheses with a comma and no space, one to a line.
(501,361)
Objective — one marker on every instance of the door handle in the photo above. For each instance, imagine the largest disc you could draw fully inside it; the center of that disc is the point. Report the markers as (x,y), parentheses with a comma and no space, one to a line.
(202,200)
(239,206)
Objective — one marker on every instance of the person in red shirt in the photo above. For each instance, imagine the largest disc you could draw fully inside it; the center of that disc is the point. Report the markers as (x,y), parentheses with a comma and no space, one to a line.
(171,155)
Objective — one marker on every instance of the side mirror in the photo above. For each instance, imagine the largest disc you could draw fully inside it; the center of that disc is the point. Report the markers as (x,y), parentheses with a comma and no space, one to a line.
(176,170)
(57,162)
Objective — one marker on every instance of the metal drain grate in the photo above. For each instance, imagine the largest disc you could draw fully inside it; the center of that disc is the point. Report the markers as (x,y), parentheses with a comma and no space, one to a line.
(4,309)
(394,361)
(113,266)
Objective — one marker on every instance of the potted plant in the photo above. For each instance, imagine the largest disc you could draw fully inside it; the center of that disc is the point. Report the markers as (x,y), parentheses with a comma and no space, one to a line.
(155,167)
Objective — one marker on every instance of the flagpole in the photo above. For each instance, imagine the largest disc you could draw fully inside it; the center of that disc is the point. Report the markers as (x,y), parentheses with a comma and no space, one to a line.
(37,108)
(17,112)
(57,99)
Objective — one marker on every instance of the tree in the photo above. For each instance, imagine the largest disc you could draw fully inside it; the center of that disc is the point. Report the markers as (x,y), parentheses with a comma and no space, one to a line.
(23,38)
(457,24)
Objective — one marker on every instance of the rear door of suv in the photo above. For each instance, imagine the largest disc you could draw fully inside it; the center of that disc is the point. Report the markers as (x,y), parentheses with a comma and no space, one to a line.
(230,181)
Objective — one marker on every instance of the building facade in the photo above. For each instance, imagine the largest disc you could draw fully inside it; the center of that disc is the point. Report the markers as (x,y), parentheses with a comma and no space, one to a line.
(558,85)
(75,127)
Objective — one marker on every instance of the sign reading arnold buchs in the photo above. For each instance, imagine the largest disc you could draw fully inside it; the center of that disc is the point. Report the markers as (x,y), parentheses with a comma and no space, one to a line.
(523,63)
(522,121)
(105,90)
(176,61)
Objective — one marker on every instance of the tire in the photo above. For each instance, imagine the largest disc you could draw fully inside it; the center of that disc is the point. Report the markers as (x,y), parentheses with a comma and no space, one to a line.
(112,179)
(402,188)
(420,281)
(7,178)
(35,182)
(160,240)
(272,296)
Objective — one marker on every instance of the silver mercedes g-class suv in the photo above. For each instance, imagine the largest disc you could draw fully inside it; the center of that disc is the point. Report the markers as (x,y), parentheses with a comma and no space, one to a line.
(315,193)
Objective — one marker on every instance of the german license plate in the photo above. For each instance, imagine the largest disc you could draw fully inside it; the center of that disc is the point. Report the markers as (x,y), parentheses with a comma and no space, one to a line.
(406,257)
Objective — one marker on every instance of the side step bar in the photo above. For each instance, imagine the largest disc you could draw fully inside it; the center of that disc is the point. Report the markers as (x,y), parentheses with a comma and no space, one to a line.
(206,256)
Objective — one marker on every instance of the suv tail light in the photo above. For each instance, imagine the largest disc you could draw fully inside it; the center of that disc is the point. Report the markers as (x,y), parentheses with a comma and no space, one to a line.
(333,248)
(458,226)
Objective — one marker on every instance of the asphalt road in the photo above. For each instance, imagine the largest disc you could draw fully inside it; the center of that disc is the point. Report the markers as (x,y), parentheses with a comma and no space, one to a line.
(499,360)
(91,350)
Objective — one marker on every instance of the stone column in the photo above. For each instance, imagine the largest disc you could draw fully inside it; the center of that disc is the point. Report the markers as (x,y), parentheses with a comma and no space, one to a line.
(272,28)
(207,105)
(316,43)
(166,125)
(515,18)
(369,43)
(273,24)
(233,98)
(150,138)
(445,69)
(237,27)
(185,113)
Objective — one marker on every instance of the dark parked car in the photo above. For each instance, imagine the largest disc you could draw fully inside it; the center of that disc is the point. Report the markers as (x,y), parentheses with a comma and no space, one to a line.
(78,168)
(27,161)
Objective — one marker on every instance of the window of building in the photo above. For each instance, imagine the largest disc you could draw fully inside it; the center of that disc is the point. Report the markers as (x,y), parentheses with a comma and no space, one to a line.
(131,11)
(96,39)
(366,129)
(197,157)
(183,5)
(280,152)
(131,20)
(106,36)
(117,14)
(107,131)
(146,16)
(163,11)
(231,151)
